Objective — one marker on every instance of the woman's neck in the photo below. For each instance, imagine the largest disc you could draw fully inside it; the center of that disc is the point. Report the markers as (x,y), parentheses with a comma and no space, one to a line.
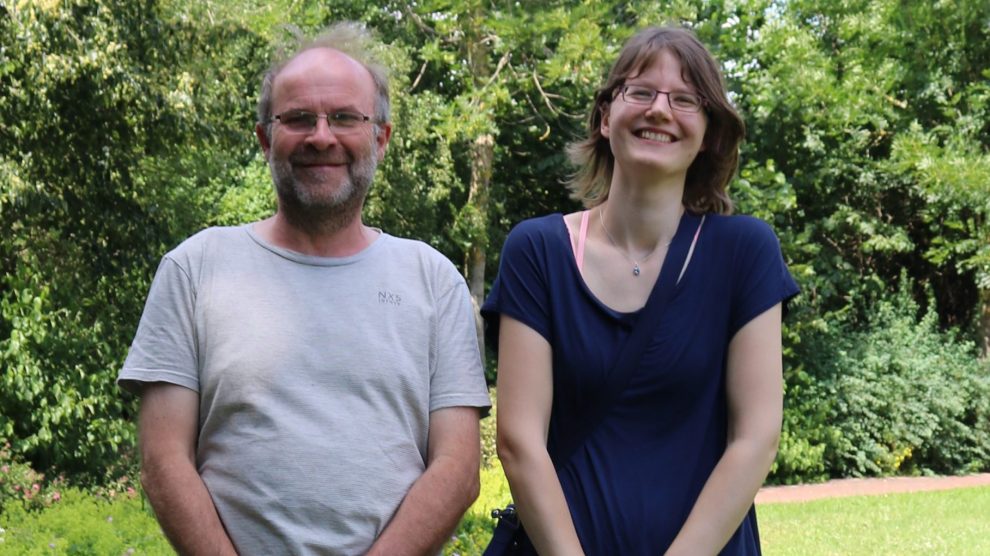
(639,216)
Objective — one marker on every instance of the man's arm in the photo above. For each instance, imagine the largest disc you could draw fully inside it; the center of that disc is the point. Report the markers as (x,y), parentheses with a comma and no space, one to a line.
(167,429)
(434,505)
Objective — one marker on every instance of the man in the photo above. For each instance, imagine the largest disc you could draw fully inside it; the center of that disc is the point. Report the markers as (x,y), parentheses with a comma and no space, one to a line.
(309,384)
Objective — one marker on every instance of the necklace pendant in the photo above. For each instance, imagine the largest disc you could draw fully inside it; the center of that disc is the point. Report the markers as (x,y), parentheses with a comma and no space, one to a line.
(636,269)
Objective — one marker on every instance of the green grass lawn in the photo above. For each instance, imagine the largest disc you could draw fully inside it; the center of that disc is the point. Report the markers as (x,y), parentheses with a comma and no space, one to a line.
(955,522)
(952,522)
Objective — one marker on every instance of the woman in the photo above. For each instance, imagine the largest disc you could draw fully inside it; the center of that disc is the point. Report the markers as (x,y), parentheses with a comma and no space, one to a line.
(674,464)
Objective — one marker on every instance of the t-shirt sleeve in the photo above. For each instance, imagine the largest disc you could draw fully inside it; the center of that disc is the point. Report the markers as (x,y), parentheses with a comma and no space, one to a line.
(457,377)
(520,290)
(164,347)
(761,276)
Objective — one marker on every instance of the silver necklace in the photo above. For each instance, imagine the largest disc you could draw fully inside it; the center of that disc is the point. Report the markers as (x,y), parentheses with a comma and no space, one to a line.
(636,271)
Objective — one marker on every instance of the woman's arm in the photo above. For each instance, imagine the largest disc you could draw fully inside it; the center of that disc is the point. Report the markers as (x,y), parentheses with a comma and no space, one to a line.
(755,396)
(525,395)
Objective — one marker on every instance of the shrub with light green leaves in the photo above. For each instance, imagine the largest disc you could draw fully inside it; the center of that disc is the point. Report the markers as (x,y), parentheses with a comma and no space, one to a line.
(81,523)
(475,529)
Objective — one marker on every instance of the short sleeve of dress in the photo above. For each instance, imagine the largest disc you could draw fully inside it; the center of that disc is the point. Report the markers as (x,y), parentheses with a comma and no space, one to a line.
(521,288)
(761,278)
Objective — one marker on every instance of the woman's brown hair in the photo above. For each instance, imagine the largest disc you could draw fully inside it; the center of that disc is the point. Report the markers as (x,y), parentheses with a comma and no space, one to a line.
(713,168)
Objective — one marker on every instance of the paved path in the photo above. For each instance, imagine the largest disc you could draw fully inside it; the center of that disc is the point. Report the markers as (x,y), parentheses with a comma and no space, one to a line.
(858,487)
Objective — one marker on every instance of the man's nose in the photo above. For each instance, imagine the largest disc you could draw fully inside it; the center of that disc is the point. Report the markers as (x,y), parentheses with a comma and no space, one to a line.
(322,136)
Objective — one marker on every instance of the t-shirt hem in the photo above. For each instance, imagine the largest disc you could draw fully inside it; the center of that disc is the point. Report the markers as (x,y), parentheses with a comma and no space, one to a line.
(480,401)
(134,380)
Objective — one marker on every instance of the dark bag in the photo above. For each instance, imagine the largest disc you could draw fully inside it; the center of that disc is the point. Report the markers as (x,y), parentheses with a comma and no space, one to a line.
(509,538)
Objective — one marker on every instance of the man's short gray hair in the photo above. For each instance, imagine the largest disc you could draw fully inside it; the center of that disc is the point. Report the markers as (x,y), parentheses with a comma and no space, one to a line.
(348,37)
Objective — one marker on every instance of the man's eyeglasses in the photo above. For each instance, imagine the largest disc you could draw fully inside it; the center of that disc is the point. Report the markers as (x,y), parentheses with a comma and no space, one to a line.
(304,121)
(678,100)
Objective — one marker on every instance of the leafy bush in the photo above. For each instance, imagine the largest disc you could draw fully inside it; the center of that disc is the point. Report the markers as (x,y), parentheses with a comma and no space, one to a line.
(488,455)
(120,126)
(806,428)
(893,394)
(84,524)
(475,529)
(22,486)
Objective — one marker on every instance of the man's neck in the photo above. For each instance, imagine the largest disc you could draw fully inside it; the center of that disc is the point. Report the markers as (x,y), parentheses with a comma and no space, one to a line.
(343,241)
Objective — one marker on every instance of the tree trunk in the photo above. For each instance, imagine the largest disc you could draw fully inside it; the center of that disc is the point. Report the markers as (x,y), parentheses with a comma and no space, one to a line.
(482,154)
(984,330)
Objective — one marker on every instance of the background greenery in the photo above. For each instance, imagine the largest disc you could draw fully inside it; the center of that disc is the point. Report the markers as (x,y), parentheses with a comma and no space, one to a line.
(126,125)
(946,522)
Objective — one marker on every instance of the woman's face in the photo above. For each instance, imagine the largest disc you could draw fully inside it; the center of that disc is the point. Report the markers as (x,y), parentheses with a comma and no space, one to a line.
(658,138)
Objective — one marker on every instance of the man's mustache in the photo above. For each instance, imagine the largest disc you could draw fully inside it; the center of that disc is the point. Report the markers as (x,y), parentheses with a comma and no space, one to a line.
(309,159)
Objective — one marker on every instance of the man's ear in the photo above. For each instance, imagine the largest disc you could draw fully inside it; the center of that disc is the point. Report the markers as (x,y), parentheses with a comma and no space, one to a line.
(383,137)
(262,134)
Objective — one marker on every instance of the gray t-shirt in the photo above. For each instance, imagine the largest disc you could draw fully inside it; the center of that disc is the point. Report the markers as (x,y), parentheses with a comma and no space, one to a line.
(316,379)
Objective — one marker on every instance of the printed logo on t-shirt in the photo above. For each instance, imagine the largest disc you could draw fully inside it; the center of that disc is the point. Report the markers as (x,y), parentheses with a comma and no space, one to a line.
(389,298)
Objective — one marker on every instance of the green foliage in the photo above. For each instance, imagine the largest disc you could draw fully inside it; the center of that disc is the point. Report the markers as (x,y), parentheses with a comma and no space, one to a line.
(489,456)
(117,128)
(892,395)
(24,487)
(83,524)
(126,126)
(885,151)
(475,529)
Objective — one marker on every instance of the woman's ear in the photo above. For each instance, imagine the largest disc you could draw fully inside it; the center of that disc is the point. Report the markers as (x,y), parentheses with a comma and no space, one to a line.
(603,128)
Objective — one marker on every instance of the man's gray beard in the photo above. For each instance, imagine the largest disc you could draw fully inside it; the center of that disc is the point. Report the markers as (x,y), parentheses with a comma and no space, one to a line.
(317,211)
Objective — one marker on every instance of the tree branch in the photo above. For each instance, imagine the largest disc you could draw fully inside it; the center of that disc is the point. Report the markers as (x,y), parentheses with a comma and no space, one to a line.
(546,98)
(422,70)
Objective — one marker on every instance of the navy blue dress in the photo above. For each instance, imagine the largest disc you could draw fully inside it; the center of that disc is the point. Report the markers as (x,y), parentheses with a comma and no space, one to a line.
(632,483)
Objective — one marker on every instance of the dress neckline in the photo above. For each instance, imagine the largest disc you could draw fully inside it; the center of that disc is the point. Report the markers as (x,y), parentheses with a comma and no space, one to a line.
(676,252)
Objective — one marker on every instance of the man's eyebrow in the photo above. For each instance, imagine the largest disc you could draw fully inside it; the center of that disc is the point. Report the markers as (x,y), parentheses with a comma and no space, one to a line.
(343,108)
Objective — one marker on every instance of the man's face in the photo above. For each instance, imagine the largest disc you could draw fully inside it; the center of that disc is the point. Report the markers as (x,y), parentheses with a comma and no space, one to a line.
(324,172)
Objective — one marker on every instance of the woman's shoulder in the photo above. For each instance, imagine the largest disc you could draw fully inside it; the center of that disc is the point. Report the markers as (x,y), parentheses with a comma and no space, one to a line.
(739,222)
(538,225)
(537,231)
(740,227)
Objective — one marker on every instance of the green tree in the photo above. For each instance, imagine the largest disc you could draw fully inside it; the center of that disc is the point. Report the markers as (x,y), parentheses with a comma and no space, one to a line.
(118,128)
(879,155)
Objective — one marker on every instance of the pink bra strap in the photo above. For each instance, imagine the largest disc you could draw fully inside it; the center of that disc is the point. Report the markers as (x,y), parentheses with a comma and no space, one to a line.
(582,235)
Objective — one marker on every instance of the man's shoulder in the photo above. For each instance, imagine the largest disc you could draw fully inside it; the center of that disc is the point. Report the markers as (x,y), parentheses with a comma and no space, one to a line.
(210,239)
(413,249)
(407,243)
(406,254)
